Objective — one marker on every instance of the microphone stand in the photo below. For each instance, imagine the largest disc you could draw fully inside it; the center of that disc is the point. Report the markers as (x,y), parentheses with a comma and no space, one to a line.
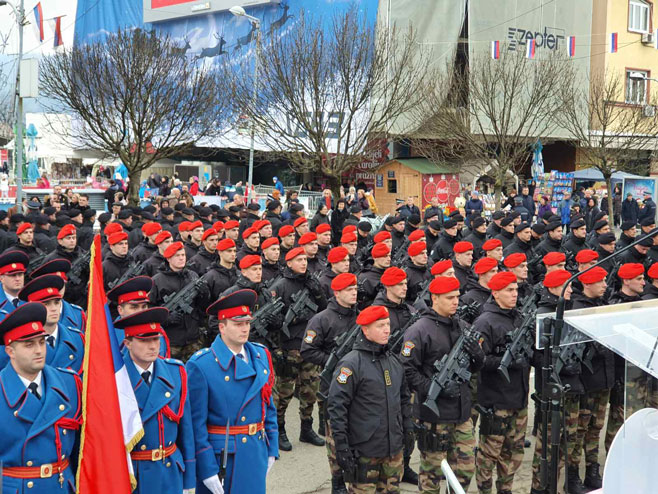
(553,390)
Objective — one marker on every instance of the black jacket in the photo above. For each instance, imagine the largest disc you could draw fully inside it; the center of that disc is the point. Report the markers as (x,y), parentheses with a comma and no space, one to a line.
(574,244)
(43,240)
(505,237)
(623,241)
(245,251)
(369,285)
(442,249)
(368,406)
(202,261)
(144,251)
(86,235)
(326,278)
(493,389)
(476,293)
(275,219)
(191,249)
(425,342)
(417,276)
(399,314)
(75,293)
(465,276)
(517,245)
(270,271)
(477,239)
(548,245)
(219,279)
(31,250)
(154,264)
(114,267)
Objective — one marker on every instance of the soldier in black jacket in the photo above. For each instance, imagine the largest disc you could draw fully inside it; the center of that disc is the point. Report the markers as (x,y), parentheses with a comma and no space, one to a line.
(42,237)
(368,408)
(117,261)
(479,293)
(494,228)
(287,236)
(271,253)
(339,262)
(323,231)
(221,275)
(207,255)
(504,412)
(154,263)
(289,365)
(517,264)
(309,241)
(451,434)
(147,247)
(553,240)
(506,235)
(628,233)
(417,270)
(300,225)
(442,249)
(25,234)
(348,240)
(463,252)
(67,248)
(319,341)
(182,329)
(478,235)
(86,230)
(193,242)
(273,215)
(576,240)
(250,244)
(521,242)
(370,276)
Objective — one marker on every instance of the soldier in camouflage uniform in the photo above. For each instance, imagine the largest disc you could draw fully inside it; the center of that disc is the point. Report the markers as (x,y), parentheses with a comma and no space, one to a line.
(449,436)
(503,405)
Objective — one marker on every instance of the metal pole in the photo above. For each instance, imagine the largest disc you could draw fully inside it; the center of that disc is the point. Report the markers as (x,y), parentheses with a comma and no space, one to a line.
(250,178)
(18,148)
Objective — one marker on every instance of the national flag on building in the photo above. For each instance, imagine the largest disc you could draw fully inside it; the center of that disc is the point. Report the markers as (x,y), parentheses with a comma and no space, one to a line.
(58,41)
(571,46)
(495,50)
(530,48)
(111,421)
(614,42)
(38,18)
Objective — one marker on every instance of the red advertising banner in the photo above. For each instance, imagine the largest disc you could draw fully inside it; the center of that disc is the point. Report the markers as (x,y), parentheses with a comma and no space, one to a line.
(444,187)
(157,4)
(377,154)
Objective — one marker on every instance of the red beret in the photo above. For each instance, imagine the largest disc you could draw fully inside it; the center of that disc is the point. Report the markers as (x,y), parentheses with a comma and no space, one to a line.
(112,228)
(208,233)
(297,251)
(184,226)
(586,255)
(553,258)
(393,276)
(653,271)
(70,230)
(269,242)
(381,236)
(491,244)
(501,280)
(225,244)
(307,238)
(23,227)
(416,248)
(349,229)
(513,260)
(342,281)
(263,224)
(348,238)
(152,228)
(218,226)
(485,265)
(195,225)
(556,278)
(286,230)
(229,225)
(300,221)
(444,284)
(594,275)
(323,228)
(115,238)
(248,261)
(371,314)
(337,254)
(630,270)
(162,236)
(416,235)
(441,267)
(463,246)
(249,232)
(380,250)
(256,224)
(172,249)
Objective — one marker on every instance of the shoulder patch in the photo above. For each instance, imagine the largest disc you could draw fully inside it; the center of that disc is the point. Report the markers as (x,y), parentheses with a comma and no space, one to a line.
(67,371)
(406,349)
(77,307)
(345,372)
(310,336)
(174,361)
(257,344)
(198,354)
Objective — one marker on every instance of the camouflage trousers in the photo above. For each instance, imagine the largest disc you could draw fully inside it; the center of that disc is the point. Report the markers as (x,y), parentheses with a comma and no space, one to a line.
(636,395)
(571,409)
(591,420)
(185,352)
(293,372)
(383,475)
(331,449)
(473,386)
(501,451)
(460,456)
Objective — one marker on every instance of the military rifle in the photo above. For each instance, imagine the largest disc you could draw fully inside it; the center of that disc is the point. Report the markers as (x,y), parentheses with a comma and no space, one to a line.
(181,301)
(301,304)
(78,265)
(400,253)
(424,290)
(264,314)
(452,368)
(37,262)
(395,340)
(574,351)
(468,312)
(135,269)
(344,344)
(520,342)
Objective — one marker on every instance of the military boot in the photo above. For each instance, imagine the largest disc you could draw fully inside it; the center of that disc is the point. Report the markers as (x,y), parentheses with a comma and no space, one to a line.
(409,476)
(308,435)
(537,491)
(574,484)
(593,478)
(284,443)
(338,485)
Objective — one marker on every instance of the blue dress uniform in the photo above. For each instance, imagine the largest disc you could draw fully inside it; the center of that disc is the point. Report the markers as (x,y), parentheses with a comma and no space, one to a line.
(226,390)
(12,261)
(38,433)
(163,460)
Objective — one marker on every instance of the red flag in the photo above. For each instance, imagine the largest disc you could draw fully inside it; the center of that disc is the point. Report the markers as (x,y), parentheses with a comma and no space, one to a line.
(109,428)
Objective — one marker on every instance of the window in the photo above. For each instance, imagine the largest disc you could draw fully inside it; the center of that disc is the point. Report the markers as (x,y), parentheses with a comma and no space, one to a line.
(636,88)
(639,13)
(392,186)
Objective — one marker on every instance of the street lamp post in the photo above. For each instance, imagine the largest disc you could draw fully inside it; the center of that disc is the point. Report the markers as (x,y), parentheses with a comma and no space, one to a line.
(18,143)
(255,22)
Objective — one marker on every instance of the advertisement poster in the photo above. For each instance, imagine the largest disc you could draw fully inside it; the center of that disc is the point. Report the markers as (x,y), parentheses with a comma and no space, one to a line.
(638,186)
(444,187)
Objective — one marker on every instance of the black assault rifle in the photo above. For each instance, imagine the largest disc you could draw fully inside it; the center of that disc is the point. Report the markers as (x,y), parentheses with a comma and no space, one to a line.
(344,344)
(181,301)
(302,304)
(37,262)
(135,269)
(78,265)
(395,340)
(264,314)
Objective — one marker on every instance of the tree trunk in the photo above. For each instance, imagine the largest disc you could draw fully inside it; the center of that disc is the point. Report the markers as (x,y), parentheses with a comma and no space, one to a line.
(133,188)
(611,217)
(333,183)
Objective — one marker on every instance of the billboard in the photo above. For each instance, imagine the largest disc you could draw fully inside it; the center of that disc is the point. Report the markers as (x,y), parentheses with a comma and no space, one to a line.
(162,10)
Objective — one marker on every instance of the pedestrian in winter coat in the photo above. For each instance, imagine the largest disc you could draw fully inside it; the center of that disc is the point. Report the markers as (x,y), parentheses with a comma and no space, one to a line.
(630,211)
(564,209)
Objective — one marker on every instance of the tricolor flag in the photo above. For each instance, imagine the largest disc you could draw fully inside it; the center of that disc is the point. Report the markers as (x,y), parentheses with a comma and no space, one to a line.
(59,41)
(530,48)
(111,421)
(571,46)
(614,42)
(38,17)
(495,50)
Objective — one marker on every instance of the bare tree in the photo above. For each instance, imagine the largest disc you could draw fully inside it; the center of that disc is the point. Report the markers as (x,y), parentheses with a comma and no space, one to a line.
(491,112)
(326,92)
(611,134)
(135,97)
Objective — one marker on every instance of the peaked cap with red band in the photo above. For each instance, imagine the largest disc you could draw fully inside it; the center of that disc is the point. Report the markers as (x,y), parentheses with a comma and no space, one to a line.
(236,306)
(42,289)
(13,261)
(134,290)
(24,323)
(143,324)
(58,266)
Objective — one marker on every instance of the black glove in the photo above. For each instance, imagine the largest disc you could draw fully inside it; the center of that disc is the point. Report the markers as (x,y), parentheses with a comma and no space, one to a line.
(451,390)
(472,346)
(175,319)
(314,287)
(571,369)
(409,441)
(345,460)
(520,363)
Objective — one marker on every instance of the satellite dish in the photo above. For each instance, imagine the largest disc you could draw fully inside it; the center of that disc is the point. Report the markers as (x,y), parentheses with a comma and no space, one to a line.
(633,456)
